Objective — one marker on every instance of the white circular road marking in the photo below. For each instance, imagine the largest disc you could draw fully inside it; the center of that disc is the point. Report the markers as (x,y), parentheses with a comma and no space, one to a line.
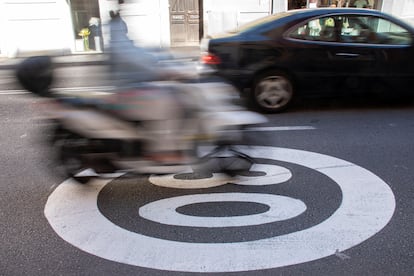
(367,206)
(164,210)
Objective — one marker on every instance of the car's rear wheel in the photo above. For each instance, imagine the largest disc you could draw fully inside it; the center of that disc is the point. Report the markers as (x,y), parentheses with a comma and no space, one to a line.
(272,91)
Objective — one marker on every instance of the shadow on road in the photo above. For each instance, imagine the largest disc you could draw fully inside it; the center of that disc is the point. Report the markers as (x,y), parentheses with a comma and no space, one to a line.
(347,103)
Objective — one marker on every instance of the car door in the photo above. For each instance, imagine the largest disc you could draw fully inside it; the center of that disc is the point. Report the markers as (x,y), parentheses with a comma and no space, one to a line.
(386,43)
(327,62)
(395,41)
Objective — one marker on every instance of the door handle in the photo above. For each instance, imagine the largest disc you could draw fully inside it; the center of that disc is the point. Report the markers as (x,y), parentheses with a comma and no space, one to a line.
(350,55)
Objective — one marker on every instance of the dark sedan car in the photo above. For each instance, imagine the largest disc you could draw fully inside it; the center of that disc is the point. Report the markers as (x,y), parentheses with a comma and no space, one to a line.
(337,50)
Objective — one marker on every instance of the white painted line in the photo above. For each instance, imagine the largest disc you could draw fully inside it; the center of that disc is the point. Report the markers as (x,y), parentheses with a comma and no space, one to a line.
(280,128)
(367,206)
(13,92)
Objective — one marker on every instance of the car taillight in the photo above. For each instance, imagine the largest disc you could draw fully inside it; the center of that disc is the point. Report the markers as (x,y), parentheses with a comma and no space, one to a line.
(210,58)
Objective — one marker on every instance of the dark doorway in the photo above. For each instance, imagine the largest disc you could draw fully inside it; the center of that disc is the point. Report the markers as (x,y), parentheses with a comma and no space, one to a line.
(296,4)
(86,24)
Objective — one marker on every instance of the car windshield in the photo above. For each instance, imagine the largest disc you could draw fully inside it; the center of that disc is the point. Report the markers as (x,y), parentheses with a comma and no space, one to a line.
(260,21)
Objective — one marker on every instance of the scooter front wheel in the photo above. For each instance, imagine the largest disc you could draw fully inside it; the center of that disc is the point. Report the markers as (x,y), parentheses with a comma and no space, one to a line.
(69,148)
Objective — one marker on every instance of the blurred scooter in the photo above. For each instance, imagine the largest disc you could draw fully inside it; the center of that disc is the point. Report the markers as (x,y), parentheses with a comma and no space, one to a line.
(105,132)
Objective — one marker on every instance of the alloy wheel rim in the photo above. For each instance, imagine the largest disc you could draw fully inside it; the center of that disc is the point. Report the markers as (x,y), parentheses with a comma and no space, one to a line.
(273,92)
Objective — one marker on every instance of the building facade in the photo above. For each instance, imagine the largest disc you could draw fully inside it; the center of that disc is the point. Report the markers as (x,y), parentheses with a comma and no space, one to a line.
(79,26)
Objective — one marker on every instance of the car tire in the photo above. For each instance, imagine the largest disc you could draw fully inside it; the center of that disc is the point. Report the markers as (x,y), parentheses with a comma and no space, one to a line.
(272,91)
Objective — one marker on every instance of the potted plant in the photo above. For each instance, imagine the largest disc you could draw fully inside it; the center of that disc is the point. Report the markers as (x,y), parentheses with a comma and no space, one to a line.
(84,33)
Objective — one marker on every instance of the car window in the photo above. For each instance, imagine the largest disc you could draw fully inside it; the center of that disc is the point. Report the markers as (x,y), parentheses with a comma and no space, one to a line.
(363,29)
(321,29)
(373,30)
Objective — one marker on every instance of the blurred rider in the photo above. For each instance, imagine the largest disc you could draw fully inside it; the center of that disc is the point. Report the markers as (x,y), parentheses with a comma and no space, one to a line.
(160,108)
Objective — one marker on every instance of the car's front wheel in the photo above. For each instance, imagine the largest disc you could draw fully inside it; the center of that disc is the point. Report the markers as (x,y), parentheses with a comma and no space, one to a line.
(272,91)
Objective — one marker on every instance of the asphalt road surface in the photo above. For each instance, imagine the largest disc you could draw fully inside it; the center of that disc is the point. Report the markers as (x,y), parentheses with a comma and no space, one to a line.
(331,193)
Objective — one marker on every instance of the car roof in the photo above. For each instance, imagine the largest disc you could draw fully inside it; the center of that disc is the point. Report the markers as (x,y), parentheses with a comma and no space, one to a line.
(303,14)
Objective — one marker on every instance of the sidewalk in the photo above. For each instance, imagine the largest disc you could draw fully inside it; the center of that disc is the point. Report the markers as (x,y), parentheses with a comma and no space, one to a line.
(84,59)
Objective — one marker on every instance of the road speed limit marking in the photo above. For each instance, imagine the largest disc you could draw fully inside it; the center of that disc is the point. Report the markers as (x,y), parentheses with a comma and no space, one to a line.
(164,210)
(367,206)
(274,175)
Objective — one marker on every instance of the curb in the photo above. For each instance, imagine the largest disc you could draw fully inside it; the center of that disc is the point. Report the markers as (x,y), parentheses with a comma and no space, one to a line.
(190,54)
(59,61)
